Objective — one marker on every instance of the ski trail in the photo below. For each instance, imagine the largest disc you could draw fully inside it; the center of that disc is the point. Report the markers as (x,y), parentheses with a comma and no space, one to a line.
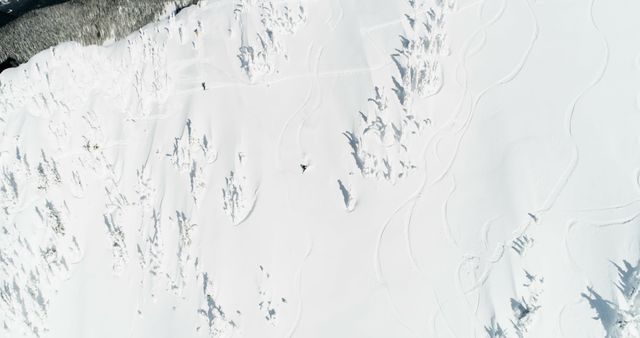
(486,227)
(416,195)
(254,202)
(465,127)
(577,269)
(282,80)
(624,221)
(377,263)
(607,208)
(508,78)
(441,312)
(379,270)
(578,300)
(299,285)
(567,251)
(397,313)
(414,198)
(407,232)
(292,116)
(562,182)
(637,65)
(334,26)
(423,186)
(473,4)
(445,214)
(466,54)
(316,106)
(498,254)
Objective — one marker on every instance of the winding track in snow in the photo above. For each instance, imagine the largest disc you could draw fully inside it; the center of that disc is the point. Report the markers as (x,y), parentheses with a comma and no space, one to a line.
(562,182)
(465,127)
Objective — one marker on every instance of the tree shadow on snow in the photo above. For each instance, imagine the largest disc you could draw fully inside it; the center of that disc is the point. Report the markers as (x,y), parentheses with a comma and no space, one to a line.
(495,330)
(607,312)
(629,279)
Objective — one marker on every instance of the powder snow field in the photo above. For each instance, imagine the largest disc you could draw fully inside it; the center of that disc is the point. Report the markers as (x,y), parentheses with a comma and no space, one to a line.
(334,168)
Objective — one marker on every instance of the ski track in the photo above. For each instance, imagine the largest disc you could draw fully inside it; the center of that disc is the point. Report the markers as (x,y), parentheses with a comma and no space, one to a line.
(415,197)
(407,232)
(505,80)
(441,312)
(295,113)
(577,269)
(508,78)
(607,208)
(420,191)
(298,283)
(340,17)
(380,273)
(377,262)
(486,228)
(444,126)
(466,89)
(579,300)
(316,106)
(284,80)
(572,261)
(564,179)
(624,221)
(445,215)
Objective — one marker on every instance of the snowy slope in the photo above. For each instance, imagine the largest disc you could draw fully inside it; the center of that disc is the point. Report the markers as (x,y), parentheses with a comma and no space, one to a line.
(334,168)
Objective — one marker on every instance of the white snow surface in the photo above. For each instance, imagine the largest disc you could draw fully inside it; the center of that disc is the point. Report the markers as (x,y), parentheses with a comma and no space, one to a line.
(329,168)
